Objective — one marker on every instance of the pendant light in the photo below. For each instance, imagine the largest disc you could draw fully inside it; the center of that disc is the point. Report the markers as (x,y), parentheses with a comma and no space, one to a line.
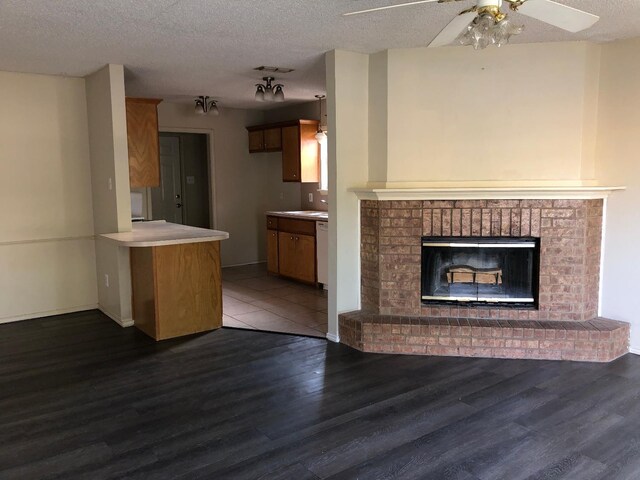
(321,136)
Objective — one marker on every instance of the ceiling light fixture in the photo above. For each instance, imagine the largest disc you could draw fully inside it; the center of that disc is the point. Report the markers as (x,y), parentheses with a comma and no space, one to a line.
(204,106)
(321,136)
(490,27)
(268,92)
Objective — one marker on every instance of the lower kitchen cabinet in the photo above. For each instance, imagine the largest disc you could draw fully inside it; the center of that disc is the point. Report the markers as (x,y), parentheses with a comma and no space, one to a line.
(177,289)
(296,256)
(291,248)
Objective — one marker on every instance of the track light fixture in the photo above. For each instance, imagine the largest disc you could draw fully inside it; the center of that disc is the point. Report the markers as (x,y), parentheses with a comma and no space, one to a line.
(268,92)
(204,106)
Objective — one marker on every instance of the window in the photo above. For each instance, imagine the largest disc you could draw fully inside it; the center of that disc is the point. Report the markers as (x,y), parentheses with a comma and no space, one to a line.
(324,166)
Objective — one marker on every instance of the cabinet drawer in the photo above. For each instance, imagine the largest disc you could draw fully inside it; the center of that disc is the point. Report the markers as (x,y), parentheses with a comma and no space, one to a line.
(291,225)
(272,223)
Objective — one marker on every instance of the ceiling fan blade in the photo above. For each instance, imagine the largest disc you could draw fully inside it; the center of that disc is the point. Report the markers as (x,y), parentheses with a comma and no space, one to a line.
(453,30)
(558,15)
(406,4)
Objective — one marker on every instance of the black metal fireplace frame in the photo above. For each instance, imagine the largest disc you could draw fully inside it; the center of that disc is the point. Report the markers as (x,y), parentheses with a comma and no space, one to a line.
(482,303)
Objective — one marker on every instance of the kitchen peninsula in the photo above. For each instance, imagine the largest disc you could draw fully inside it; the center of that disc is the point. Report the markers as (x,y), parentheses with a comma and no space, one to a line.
(175,277)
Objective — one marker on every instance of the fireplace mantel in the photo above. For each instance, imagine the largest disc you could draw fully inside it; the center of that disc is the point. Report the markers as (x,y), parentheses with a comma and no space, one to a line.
(488,193)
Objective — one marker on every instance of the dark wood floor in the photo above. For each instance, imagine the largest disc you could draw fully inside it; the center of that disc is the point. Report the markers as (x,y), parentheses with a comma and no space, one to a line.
(82,398)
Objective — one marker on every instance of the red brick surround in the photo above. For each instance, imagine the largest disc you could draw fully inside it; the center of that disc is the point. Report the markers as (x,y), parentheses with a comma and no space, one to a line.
(569,230)
(564,326)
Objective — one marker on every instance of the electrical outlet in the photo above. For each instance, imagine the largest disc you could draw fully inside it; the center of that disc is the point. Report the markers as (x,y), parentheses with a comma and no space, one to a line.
(311,198)
(106,280)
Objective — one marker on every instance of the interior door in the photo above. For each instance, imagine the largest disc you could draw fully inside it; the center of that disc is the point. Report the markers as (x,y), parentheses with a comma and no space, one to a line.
(166,201)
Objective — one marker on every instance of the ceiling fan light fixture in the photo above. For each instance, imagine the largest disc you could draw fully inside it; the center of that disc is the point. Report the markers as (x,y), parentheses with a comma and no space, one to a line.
(505,29)
(489,29)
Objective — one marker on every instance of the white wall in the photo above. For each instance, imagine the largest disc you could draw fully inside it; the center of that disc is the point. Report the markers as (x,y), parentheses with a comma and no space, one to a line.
(618,162)
(47,257)
(110,185)
(245,185)
(522,112)
(348,111)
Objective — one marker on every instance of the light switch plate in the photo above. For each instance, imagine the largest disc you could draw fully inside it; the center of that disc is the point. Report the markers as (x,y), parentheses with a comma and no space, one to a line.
(311,198)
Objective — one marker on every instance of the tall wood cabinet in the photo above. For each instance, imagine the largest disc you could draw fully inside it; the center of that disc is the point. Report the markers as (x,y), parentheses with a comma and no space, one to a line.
(296,140)
(142,140)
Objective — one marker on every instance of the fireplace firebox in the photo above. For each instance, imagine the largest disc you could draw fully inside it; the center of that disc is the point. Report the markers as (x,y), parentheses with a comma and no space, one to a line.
(480,271)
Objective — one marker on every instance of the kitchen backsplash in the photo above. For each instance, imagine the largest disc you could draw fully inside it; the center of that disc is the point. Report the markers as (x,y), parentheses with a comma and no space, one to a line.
(305,190)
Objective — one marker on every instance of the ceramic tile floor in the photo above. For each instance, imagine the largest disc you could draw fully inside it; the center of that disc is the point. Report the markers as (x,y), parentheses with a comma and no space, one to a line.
(253,299)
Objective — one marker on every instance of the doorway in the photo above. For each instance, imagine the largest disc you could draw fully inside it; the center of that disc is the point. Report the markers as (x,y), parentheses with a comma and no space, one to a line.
(184,194)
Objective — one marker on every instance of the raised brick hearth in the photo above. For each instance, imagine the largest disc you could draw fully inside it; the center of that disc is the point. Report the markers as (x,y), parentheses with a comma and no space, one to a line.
(564,326)
(598,340)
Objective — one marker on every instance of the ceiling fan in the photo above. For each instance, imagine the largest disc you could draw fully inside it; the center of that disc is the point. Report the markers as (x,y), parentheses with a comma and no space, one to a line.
(485,24)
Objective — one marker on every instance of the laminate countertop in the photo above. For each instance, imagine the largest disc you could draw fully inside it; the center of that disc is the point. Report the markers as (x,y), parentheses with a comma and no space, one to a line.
(302,214)
(158,233)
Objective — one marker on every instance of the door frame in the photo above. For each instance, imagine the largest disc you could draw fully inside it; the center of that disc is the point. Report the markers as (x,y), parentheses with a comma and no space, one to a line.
(213,211)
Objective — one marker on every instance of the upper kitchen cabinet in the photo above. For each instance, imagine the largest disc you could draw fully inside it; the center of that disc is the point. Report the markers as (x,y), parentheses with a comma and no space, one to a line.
(273,139)
(256,140)
(142,139)
(265,139)
(296,140)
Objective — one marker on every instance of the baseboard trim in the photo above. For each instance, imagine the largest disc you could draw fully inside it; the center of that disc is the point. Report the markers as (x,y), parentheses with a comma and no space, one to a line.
(48,313)
(116,318)
(333,338)
(243,264)
(635,351)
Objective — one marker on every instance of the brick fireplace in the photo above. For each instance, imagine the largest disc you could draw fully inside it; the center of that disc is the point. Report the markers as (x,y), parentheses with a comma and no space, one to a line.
(565,324)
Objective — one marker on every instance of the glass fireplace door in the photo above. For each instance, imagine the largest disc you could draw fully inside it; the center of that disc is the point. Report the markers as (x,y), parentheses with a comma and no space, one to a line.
(480,270)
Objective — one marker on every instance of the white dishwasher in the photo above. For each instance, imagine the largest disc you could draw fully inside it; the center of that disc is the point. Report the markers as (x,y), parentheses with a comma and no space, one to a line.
(322,252)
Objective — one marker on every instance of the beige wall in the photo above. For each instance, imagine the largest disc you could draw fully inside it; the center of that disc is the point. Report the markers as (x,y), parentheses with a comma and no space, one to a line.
(523,112)
(618,163)
(245,185)
(110,185)
(347,107)
(378,117)
(47,253)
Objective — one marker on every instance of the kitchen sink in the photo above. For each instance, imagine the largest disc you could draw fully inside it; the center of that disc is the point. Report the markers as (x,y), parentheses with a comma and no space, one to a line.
(305,213)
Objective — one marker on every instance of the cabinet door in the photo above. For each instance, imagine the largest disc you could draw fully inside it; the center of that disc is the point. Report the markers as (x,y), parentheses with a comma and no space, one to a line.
(306,250)
(272,251)
(273,139)
(142,140)
(256,141)
(286,254)
(291,154)
(297,256)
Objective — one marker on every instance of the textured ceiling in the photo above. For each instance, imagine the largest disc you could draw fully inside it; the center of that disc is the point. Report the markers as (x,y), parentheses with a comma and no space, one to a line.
(180,48)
